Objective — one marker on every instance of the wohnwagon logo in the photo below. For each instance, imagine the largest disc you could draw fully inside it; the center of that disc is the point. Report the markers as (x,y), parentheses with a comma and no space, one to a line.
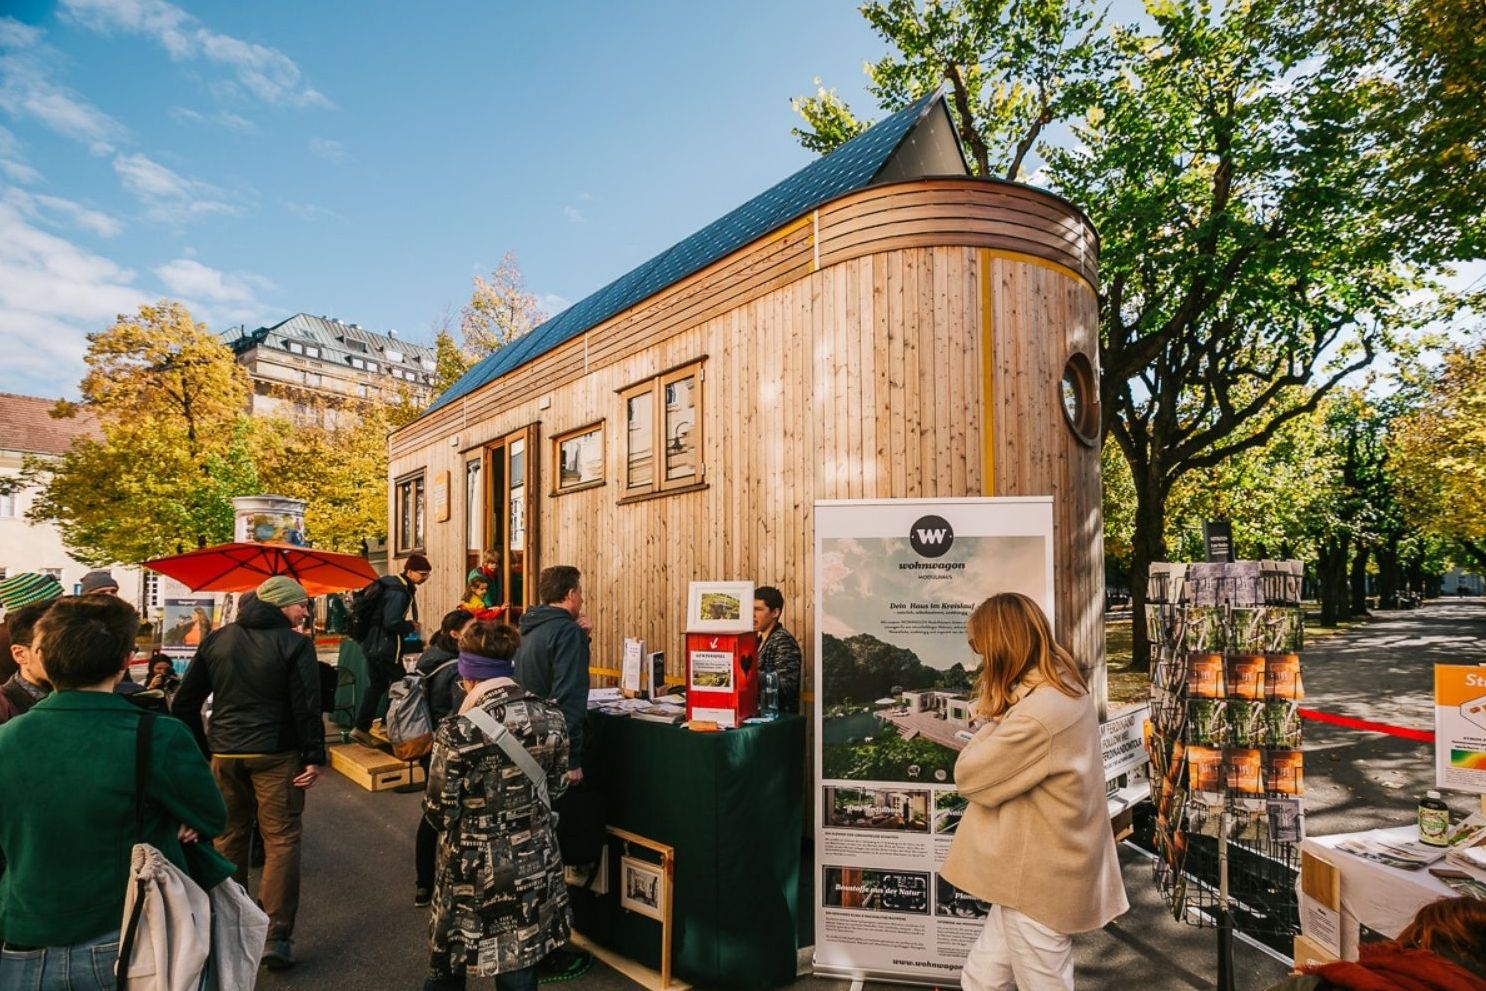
(931,536)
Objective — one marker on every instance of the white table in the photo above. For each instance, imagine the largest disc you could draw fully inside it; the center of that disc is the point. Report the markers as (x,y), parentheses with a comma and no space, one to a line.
(1382,898)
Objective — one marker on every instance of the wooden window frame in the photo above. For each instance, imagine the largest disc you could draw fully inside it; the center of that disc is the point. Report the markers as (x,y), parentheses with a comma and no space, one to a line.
(416,482)
(558,488)
(655,387)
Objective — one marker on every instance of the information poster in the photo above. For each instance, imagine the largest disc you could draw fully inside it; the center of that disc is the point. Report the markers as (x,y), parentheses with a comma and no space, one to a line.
(186,622)
(1460,727)
(895,582)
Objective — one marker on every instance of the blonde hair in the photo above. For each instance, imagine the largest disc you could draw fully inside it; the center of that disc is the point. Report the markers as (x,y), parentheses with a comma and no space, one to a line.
(1011,635)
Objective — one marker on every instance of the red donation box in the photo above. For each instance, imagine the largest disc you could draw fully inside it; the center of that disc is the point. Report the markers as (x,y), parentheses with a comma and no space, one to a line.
(722,677)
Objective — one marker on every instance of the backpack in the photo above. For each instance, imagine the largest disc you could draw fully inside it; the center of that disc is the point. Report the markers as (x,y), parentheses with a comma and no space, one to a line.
(366,603)
(409,721)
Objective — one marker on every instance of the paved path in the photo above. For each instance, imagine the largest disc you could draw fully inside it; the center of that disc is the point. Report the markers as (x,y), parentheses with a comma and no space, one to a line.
(1382,671)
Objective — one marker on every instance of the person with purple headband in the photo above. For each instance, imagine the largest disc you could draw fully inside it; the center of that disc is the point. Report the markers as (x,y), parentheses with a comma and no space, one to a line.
(494,771)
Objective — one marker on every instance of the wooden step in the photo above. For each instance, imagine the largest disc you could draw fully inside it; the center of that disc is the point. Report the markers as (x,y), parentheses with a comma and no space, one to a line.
(373,769)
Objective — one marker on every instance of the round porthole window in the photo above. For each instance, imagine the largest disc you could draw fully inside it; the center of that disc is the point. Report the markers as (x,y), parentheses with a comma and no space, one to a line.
(1080,394)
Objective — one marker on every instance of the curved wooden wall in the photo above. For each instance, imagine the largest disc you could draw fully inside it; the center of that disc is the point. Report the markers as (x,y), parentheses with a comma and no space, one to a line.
(846,357)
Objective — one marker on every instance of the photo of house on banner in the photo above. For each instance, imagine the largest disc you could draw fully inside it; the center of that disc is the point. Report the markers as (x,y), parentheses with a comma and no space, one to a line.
(876,891)
(949,806)
(952,902)
(897,676)
(894,809)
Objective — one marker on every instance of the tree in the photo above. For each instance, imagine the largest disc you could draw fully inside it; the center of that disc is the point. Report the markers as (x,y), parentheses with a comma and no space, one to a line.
(1255,250)
(499,311)
(169,400)
(1014,67)
(1439,451)
(449,362)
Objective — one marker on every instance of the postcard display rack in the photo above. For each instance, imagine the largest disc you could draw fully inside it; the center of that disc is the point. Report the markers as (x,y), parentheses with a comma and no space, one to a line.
(1224,742)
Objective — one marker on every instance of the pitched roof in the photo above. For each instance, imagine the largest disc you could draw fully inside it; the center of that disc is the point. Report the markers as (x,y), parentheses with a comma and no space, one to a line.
(856,164)
(337,341)
(26,425)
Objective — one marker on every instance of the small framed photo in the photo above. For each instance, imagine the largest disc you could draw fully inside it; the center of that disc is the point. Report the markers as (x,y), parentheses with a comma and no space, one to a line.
(642,888)
(719,607)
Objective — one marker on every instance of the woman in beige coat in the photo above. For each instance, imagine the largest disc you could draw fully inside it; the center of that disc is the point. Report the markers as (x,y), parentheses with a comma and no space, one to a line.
(1035,839)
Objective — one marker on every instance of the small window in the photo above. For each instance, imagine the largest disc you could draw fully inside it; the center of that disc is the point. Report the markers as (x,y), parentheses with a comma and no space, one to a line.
(663,439)
(1080,398)
(429,365)
(296,348)
(579,456)
(372,366)
(392,355)
(311,352)
(473,506)
(354,345)
(7,506)
(409,509)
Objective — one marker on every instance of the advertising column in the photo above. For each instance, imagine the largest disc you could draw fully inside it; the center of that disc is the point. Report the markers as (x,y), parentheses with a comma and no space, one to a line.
(895,582)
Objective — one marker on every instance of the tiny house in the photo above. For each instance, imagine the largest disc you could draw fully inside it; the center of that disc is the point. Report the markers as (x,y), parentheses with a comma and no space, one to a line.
(878,325)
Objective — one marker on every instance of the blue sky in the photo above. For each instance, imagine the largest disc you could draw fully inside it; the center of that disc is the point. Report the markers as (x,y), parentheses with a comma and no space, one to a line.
(256,160)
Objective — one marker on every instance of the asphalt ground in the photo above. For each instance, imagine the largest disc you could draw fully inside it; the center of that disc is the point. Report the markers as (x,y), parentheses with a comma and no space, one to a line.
(358,928)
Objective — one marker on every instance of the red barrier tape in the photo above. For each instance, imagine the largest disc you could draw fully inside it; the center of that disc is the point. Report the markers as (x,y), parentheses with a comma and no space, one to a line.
(1418,735)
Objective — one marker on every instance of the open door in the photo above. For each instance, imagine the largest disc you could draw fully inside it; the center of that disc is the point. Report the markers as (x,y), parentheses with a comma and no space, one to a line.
(509,468)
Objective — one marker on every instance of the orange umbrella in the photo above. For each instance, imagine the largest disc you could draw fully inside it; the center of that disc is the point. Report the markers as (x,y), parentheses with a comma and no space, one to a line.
(243,567)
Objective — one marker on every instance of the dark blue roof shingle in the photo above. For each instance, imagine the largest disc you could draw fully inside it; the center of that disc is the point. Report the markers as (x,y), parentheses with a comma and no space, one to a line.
(848,168)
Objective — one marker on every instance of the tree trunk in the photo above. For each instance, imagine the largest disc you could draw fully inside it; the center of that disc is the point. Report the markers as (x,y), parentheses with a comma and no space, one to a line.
(1148,545)
(1359,580)
(1388,573)
(1331,579)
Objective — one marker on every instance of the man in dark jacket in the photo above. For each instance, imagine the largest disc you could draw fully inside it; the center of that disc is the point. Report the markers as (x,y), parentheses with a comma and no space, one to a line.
(266,740)
(29,684)
(552,661)
(778,650)
(396,617)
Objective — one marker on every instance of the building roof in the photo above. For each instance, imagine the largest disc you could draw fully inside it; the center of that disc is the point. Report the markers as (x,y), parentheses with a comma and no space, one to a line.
(338,343)
(26,425)
(855,165)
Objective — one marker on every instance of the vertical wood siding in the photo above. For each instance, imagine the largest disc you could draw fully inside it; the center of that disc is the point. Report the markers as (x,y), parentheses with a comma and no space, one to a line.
(864,378)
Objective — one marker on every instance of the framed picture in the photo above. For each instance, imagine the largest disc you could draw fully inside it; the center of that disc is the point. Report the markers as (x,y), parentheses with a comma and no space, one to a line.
(719,607)
(642,888)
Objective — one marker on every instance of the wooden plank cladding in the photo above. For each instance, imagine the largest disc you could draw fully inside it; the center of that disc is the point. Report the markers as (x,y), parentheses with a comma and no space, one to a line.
(908,340)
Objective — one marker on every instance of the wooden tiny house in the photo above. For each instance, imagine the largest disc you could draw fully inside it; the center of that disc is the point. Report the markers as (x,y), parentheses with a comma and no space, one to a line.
(880,325)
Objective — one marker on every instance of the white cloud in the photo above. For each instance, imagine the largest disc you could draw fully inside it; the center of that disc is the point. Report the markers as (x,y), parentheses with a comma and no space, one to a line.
(28,89)
(190,279)
(217,298)
(168,196)
(222,119)
(265,72)
(19,171)
(52,294)
(55,209)
(552,304)
(310,211)
(573,214)
(331,151)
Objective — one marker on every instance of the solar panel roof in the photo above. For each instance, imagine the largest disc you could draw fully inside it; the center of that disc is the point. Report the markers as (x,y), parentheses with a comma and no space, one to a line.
(850,167)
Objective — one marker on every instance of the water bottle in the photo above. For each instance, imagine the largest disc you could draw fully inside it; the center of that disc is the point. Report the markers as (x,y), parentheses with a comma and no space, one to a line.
(769,697)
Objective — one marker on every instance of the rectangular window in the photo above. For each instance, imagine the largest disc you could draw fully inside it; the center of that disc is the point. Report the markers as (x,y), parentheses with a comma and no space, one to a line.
(473,510)
(640,428)
(357,363)
(391,355)
(296,348)
(53,573)
(428,364)
(663,432)
(312,352)
(408,511)
(372,366)
(579,456)
(7,506)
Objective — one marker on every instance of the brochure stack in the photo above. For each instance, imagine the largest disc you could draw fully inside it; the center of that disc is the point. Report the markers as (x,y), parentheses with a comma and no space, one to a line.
(1224,740)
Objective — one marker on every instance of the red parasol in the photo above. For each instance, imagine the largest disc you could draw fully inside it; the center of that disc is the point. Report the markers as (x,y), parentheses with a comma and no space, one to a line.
(243,567)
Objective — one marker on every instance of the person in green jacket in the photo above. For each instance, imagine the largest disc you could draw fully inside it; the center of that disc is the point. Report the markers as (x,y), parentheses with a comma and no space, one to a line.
(68,824)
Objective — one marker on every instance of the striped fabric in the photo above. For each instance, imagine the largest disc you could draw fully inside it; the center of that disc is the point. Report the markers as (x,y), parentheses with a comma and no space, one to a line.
(26,588)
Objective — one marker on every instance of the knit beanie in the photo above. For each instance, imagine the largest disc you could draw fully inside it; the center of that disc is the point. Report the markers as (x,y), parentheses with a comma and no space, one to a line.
(417,562)
(96,580)
(26,588)
(281,590)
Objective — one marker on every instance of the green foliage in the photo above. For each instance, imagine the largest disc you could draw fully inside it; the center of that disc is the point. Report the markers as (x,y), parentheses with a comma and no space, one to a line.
(1013,67)
(449,362)
(889,757)
(499,311)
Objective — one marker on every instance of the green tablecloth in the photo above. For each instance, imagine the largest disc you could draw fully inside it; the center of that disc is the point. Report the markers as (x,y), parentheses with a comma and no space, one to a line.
(730,805)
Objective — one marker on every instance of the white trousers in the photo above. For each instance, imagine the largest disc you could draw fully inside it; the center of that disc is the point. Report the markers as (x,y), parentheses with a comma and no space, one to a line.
(1013,952)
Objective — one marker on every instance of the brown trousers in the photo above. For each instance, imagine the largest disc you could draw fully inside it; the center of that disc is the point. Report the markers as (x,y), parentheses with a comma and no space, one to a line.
(264,786)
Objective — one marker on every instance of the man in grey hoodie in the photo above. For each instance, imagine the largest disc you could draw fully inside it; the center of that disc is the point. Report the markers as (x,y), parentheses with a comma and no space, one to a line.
(552,661)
